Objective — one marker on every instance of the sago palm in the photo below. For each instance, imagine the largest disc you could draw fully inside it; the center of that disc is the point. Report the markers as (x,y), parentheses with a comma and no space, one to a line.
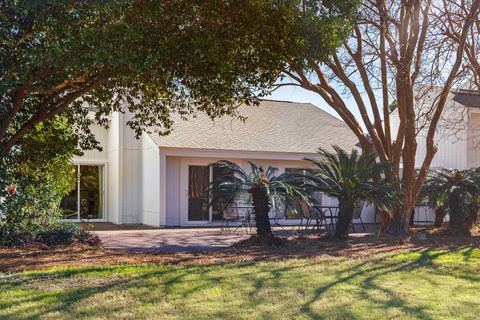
(351,178)
(457,192)
(264,187)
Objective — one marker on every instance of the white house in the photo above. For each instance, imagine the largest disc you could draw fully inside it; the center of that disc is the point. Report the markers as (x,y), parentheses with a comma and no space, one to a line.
(160,180)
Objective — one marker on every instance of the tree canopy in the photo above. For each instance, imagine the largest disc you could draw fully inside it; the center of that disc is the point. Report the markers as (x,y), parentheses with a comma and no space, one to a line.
(150,57)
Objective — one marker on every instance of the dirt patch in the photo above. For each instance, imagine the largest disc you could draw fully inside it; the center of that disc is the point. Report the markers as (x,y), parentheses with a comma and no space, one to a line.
(294,246)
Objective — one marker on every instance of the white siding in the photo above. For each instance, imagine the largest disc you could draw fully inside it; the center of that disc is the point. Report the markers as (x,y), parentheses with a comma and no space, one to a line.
(173,191)
(115,163)
(102,136)
(150,182)
(451,140)
(132,175)
(451,137)
(473,144)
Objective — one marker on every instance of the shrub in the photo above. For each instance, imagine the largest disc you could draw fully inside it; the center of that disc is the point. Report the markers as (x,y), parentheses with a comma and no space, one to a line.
(41,172)
(12,236)
(58,233)
(88,237)
(55,237)
(65,232)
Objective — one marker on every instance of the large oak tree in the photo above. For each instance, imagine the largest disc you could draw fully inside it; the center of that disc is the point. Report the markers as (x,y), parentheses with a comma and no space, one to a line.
(150,57)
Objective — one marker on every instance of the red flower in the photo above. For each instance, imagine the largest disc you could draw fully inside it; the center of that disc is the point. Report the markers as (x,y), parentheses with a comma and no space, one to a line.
(12,189)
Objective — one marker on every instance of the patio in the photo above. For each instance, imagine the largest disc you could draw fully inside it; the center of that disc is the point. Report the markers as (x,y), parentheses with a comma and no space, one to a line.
(170,240)
(139,238)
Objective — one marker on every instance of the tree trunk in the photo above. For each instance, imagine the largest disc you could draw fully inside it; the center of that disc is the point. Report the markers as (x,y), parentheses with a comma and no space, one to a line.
(397,224)
(440,214)
(261,205)
(385,217)
(345,216)
(458,218)
(411,221)
(472,216)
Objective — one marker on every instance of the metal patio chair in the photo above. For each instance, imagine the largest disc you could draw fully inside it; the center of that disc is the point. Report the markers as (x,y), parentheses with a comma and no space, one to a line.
(357,214)
(277,212)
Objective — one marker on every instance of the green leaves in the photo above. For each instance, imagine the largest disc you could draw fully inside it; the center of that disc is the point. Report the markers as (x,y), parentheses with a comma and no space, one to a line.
(353,176)
(149,57)
(277,188)
(445,187)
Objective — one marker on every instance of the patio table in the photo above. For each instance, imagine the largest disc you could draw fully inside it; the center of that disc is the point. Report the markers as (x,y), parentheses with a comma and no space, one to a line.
(242,214)
(329,213)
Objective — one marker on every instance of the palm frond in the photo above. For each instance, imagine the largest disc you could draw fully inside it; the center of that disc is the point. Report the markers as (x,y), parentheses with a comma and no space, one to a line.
(351,176)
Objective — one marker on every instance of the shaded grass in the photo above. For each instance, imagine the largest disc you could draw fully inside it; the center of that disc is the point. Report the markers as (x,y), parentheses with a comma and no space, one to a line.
(427,285)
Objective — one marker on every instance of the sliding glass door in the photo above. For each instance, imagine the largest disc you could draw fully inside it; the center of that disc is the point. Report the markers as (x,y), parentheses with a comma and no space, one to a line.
(86,200)
(219,206)
(199,177)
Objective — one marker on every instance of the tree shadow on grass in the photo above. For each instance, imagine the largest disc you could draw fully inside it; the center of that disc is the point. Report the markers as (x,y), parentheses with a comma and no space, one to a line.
(369,271)
(181,282)
(147,281)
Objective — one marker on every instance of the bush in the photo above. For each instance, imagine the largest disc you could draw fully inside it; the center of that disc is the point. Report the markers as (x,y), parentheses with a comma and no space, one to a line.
(66,232)
(55,237)
(87,237)
(59,233)
(14,237)
(42,173)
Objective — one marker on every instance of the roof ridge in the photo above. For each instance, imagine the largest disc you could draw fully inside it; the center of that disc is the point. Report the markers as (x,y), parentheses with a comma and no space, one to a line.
(286,101)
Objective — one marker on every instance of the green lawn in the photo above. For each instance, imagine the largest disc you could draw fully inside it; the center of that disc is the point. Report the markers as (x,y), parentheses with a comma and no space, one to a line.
(431,285)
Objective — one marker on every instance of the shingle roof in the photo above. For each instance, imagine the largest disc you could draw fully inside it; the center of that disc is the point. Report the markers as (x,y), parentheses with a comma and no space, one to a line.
(273,126)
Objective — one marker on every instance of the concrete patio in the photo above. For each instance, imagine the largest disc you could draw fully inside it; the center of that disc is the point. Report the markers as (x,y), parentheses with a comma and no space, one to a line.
(170,240)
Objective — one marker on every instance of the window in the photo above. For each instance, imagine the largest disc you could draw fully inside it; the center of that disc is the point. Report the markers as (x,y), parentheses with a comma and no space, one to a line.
(198,178)
(198,203)
(86,200)
(219,206)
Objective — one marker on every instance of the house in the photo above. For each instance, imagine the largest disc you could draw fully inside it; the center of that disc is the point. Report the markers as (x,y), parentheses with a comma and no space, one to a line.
(160,180)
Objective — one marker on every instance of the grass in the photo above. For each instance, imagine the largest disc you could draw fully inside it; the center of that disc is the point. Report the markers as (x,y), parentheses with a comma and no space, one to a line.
(425,285)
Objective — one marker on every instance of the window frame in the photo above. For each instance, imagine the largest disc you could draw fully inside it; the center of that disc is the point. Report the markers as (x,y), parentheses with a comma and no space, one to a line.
(103,174)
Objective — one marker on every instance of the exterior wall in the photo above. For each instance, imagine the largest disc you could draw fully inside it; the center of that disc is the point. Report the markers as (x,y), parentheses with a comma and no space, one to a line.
(150,185)
(102,136)
(473,143)
(115,163)
(452,136)
(177,183)
(173,191)
(122,160)
(132,175)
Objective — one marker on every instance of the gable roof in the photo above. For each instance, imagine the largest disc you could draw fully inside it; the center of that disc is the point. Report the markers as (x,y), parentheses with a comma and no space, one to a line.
(273,126)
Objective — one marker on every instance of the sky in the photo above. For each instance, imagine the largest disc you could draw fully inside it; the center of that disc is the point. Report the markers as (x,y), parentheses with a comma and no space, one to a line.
(297,94)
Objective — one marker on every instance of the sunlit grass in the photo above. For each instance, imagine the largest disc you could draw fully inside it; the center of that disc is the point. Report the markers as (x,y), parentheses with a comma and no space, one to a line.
(415,285)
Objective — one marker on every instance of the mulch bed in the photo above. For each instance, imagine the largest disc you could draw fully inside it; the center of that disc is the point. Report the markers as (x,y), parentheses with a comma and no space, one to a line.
(38,257)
